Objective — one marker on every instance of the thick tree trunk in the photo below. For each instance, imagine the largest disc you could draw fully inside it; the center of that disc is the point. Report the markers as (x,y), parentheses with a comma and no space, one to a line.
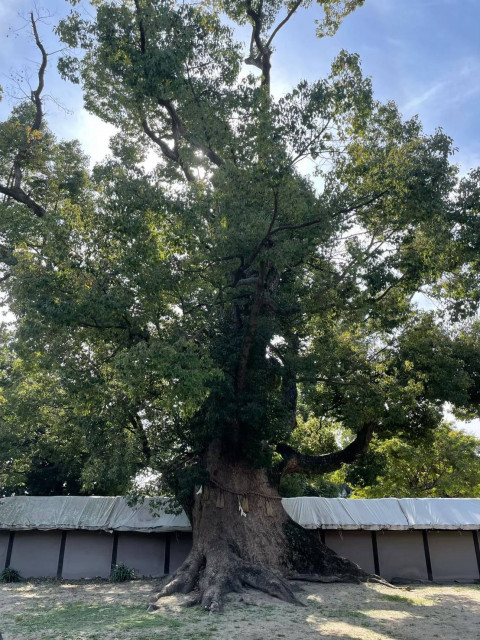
(242,536)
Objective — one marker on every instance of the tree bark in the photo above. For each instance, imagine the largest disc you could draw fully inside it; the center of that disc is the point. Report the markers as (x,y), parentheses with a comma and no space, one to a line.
(242,536)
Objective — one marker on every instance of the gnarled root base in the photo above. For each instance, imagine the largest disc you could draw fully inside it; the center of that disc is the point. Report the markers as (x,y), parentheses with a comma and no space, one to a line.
(243,537)
(210,575)
(219,572)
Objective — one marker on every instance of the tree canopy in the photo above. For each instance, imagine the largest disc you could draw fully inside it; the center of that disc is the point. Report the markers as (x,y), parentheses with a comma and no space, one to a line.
(191,301)
(267,268)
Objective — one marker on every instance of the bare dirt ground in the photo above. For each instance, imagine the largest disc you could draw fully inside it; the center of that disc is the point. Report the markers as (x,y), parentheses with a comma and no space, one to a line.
(105,611)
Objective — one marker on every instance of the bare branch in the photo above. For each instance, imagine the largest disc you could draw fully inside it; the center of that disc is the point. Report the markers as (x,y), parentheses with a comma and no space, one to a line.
(14,190)
(284,21)
(36,95)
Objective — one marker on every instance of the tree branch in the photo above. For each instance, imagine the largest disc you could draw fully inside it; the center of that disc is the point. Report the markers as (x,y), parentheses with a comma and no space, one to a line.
(140,431)
(284,21)
(264,242)
(14,190)
(141,27)
(19,195)
(166,150)
(178,128)
(263,61)
(302,463)
(170,154)
(215,158)
(309,223)
(36,99)
(389,288)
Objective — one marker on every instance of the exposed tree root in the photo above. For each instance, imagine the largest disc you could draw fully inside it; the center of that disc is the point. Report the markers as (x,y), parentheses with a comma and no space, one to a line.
(379,580)
(315,577)
(242,537)
(268,582)
(184,580)
(211,576)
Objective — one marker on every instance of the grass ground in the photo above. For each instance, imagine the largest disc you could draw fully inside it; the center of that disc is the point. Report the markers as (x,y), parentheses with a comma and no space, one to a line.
(104,611)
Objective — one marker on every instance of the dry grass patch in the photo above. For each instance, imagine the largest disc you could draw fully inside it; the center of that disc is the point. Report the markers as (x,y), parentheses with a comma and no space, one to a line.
(104,611)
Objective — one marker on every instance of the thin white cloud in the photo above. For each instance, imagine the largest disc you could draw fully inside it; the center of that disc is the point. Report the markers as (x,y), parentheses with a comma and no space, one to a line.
(457,87)
(423,97)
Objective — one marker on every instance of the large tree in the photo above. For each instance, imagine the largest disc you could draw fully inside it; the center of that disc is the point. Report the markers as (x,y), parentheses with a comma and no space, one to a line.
(179,314)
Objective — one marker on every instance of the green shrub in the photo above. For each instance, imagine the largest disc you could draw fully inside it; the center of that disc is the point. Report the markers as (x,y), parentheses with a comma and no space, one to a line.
(122,573)
(10,575)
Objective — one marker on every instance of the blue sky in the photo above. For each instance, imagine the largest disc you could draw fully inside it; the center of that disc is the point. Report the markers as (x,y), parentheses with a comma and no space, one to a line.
(424,54)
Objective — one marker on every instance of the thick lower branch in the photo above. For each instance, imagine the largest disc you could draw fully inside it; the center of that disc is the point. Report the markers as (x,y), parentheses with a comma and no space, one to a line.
(19,195)
(301,463)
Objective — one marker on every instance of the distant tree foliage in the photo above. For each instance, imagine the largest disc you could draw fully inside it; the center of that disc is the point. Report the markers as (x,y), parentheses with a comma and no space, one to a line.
(446,464)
